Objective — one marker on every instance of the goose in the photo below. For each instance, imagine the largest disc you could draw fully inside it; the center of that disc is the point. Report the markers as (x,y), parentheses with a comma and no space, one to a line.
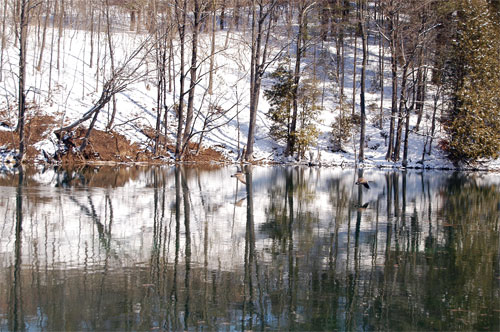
(240,176)
(363,207)
(364,182)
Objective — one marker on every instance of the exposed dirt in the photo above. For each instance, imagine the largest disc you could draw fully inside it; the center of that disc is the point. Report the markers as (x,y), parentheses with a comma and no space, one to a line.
(36,129)
(102,146)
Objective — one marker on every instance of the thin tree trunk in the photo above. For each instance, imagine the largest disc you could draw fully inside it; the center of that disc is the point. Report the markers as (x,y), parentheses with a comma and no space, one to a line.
(2,41)
(212,51)
(290,148)
(181,23)
(23,35)
(407,136)
(354,73)
(194,63)
(434,112)
(52,51)
(401,117)
(91,4)
(394,100)
(171,66)
(222,14)
(44,35)
(254,83)
(60,31)
(421,87)
(160,77)
(112,58)
(382,85)
(362,28)
(258,64)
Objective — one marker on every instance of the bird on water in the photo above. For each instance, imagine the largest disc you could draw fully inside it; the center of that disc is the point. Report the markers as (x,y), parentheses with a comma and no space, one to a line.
(240,176)
(364,182)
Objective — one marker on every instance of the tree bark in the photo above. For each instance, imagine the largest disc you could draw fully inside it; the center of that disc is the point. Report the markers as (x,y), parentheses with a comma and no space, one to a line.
(23,36)
(2,41)
(112,58)
(212,50)
(197,16)
(401,116)
(362,28)
(258,64)
(181,27)
(290,147)
(394,75)
(44,36)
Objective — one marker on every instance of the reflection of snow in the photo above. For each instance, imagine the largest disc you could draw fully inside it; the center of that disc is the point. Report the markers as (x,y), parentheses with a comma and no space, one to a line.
(75,226)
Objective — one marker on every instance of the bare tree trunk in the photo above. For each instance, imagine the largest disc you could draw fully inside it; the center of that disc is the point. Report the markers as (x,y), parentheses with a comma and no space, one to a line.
(257,64)
(421,87)
(236,14)
(212,50)
(401,118)
(407,136)
(180,14)
(161,63)
(133,20)
(91,4)
(381,60)
(52,51)
(354,66)
(222,17)
(362,28)
(254,81)
(197,16)
(60,31)
(290,147)
(394,75)
(44,35)
(23,36)
(171,66)
(2,41)
(434,111)
(97,67)
(112,58)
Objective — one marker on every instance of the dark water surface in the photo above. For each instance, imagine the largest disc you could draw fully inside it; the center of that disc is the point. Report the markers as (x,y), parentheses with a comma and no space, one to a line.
(136,248)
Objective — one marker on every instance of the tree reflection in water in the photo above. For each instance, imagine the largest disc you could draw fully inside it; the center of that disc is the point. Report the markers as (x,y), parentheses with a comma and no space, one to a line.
(294,248)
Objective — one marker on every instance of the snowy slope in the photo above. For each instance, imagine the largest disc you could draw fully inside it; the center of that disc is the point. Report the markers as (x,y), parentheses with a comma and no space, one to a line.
(75,86)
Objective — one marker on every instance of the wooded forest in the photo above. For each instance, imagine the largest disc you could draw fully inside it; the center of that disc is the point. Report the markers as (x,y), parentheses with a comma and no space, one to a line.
(432,61)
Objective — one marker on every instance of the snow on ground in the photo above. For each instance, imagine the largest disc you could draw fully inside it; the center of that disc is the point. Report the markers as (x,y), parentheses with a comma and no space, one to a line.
(71,90)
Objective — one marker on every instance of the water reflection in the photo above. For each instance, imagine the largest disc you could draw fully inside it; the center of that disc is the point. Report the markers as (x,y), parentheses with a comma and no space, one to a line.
(173,248)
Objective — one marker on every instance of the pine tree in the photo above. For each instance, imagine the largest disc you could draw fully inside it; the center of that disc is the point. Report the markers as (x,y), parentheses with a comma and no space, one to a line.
(280,96)
(473,125)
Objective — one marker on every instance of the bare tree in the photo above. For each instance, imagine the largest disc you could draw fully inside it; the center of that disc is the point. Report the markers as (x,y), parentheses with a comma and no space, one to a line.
(126,73)
(26,6)
(44,35)
(261,30)
(362,29)
(303,7)
(199,14)
(3,39)
(112,59)
(180,17)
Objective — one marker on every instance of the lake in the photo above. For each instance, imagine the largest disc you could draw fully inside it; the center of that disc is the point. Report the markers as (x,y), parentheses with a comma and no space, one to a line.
(295,248)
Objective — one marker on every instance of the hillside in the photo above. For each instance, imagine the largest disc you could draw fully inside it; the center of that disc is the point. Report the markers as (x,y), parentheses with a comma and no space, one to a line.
(70,78)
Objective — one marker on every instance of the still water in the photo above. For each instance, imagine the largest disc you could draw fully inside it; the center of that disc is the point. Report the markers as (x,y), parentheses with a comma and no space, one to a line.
(171,248)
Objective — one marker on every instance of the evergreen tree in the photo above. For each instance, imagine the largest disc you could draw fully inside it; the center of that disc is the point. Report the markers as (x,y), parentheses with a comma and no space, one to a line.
(280,97)
(473,74)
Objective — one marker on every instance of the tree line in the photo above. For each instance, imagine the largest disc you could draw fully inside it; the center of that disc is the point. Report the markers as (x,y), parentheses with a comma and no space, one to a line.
(441,59)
